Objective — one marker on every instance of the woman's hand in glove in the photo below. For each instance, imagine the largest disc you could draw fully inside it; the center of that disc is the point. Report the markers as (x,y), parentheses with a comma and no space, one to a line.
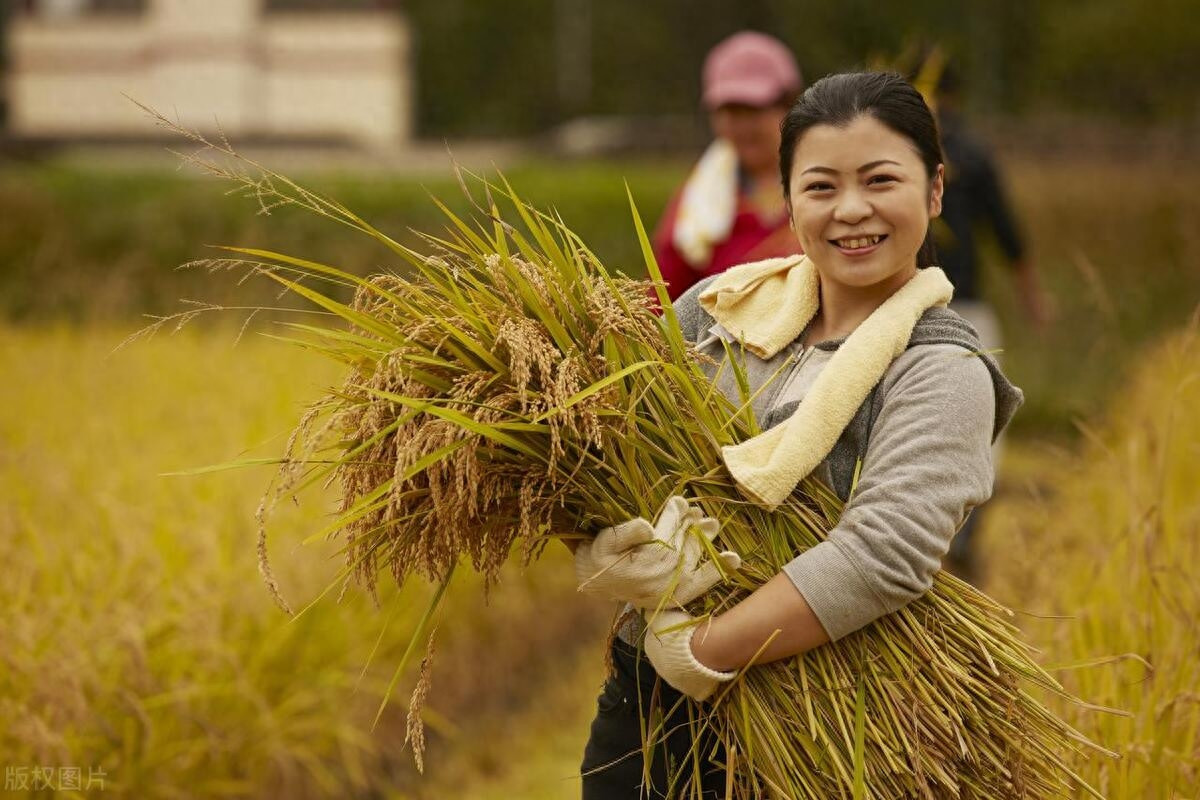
(652,566)
(668,645)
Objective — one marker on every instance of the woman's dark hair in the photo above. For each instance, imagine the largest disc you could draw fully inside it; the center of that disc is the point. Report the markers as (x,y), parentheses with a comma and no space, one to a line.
(840,99)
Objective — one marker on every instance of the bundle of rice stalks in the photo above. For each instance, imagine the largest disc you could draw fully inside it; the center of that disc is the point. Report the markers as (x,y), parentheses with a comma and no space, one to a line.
(510,390)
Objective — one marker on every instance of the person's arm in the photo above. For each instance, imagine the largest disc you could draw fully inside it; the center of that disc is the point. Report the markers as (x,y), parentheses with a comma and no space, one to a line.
(928,464)
(1038,305)
(997,213)
(733,638)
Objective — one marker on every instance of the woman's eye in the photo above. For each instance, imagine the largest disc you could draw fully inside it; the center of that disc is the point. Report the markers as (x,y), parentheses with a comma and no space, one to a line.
(820,186)
(877,180)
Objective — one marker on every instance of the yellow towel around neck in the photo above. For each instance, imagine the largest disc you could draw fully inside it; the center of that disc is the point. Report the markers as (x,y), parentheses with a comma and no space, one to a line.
(767,304)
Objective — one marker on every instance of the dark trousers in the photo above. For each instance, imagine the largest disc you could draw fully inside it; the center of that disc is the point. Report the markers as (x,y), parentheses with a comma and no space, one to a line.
(963,558)
(613,765)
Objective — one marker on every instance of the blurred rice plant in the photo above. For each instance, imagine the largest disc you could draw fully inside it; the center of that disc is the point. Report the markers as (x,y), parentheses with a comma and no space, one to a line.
(1111,542)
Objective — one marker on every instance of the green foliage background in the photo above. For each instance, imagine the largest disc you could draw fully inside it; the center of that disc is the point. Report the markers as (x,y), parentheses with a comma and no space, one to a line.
(489,68)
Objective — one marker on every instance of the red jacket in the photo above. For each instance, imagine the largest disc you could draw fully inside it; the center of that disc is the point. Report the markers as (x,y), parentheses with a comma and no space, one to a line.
(749,240)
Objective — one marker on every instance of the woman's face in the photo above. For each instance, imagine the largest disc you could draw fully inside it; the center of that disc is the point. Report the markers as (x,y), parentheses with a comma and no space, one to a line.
(861,202)
(753,132)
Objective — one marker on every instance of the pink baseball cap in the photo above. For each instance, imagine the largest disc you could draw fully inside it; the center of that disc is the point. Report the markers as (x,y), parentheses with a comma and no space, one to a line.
(750,69)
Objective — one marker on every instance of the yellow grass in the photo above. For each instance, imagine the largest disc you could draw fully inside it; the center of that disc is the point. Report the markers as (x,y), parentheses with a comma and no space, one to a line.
(1110,538)
(137,635)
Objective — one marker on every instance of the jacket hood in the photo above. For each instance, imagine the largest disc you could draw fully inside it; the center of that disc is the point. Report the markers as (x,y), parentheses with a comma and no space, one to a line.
(944,326)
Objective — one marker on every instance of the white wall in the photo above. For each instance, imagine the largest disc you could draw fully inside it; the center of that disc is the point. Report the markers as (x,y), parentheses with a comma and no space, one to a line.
(298,75)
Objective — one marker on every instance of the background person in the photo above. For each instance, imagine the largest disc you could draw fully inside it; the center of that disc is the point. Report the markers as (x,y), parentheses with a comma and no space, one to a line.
(730,210)
(974,203)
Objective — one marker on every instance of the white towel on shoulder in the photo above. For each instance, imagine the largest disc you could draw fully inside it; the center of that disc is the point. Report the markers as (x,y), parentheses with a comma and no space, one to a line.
(708,204)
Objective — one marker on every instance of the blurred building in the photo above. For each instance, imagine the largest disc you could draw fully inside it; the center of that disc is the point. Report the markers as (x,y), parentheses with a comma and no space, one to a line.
(281,70)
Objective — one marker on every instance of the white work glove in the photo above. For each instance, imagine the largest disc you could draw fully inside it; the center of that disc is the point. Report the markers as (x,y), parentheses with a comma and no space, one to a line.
(640,563)
(668,645)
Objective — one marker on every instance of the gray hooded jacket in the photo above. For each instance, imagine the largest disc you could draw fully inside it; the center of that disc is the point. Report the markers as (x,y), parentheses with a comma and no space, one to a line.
(924,438)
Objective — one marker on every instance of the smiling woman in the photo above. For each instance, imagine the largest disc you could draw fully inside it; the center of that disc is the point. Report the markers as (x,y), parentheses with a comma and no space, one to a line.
(847,355)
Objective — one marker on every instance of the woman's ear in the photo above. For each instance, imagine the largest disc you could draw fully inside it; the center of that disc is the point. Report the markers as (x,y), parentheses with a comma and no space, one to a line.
(936,186)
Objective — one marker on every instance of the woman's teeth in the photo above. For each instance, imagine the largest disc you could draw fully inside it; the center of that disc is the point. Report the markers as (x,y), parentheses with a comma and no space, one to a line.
(858,243)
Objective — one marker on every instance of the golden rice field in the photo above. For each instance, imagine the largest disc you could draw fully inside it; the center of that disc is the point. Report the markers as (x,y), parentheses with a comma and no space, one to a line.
(140,642)
(1099,550)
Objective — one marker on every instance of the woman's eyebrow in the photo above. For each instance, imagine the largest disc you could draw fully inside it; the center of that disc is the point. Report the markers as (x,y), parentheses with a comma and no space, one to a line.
(880,162)
(863,168)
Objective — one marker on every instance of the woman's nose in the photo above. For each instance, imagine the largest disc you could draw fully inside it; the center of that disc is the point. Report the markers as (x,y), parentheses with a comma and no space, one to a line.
(852,207)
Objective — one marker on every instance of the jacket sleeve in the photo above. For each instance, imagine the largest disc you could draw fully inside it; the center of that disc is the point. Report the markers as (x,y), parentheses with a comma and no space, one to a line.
(694,321)
(928,463)
(997,211)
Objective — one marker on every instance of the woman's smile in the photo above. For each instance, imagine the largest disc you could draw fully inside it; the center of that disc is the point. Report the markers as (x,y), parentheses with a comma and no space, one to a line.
(859,245)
